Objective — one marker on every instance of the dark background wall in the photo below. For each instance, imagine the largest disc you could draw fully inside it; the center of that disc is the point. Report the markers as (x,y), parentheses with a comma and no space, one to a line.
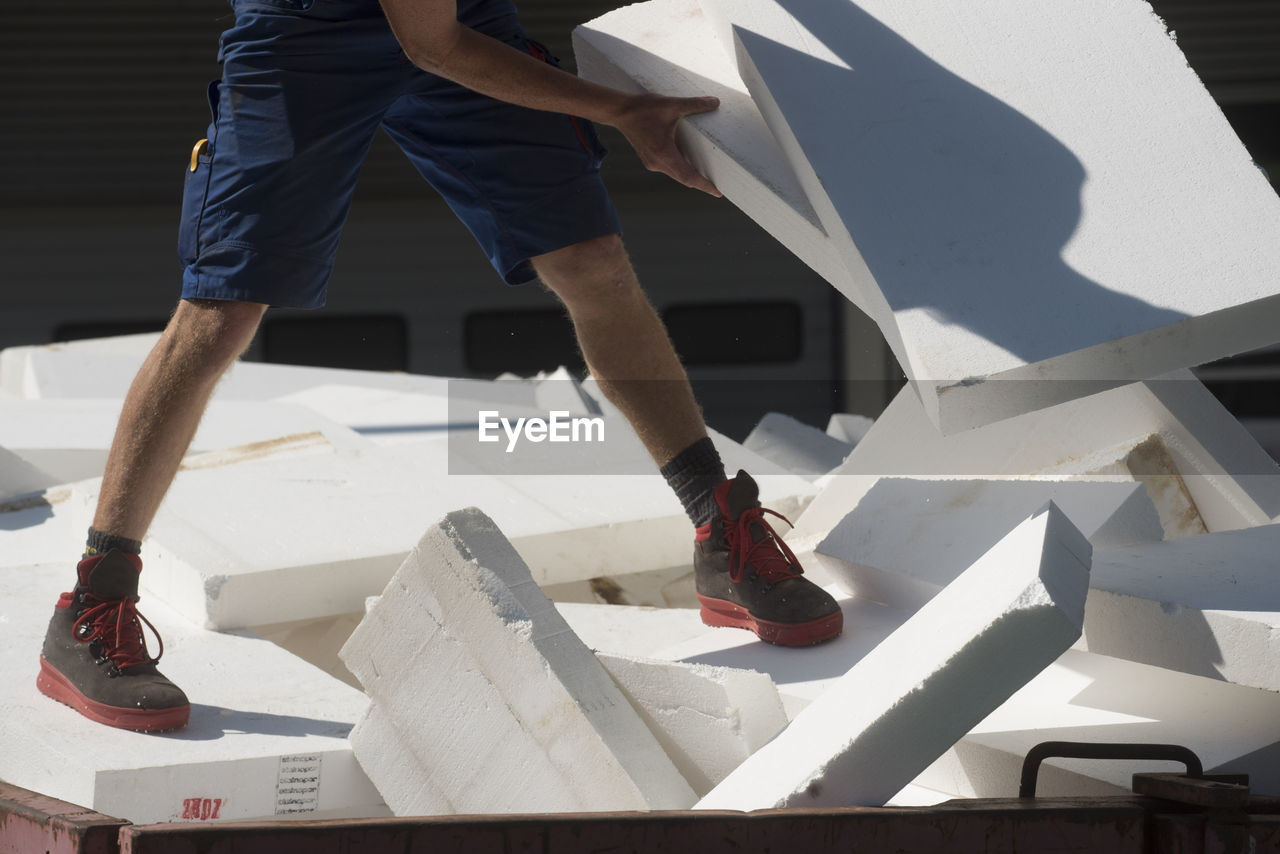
(103,102)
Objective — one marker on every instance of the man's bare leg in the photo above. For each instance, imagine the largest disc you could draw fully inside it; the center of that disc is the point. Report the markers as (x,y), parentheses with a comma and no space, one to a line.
(625,344)
(745,576)
(164,406)
(95,658)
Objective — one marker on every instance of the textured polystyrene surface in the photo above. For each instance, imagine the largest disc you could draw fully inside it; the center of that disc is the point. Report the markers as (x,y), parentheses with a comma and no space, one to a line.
(1230,481)
(905,702)
(256,712)
(519,714)
(908,538)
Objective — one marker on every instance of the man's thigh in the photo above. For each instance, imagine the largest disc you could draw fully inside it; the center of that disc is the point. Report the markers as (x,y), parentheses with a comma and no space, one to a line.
(525,182)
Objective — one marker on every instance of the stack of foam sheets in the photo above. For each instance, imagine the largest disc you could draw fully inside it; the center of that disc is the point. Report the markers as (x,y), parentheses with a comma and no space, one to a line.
(1027,544)
(682,686)
(353,505)
(304,491)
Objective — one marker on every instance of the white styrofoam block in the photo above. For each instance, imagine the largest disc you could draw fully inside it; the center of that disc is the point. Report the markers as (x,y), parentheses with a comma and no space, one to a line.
(69,438)
(848,427)
(522,715)
(664,46)
(909,538)
(440,406)
(402,780)
(800,679)
(316,641)
(104,368)
(222,552)
(54,371)
(780,490)
(561,389)
(19,379)
(632,630)
(1094,698)
(708,719)
(970,769)
(918,796)
(380,414)
(20,477)
(946,668)
(957,164)
(40,528)
(1232,483)
(298,537)
(1207,605)
(796,446)
(256,711)
(672,587)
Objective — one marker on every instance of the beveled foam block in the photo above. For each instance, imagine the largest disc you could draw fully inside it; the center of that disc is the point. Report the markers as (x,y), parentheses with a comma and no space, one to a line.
(519,714)
(1015,251)
(947,667)
(19,477)
(909,538)
(666,46)
(1207,467)
(69,438)
(940,180)
(1095,698)
(708,719)
(796,446)
(1207,605)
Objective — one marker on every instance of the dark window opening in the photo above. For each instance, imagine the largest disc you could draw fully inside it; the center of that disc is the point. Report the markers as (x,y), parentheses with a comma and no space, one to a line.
(373,342)
(742,333)
(1257,398)
(519,342)
(77,331)
(1248,385)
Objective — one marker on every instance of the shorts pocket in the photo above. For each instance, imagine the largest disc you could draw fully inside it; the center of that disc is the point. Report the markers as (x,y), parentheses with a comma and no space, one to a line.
(590,140)
(195,188)
(583,129)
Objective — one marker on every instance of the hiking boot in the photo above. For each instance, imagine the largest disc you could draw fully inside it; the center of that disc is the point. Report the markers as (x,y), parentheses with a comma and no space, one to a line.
(95,657)
(748,578)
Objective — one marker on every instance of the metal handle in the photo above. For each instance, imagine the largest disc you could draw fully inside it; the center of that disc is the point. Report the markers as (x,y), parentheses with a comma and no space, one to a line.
(1087,750)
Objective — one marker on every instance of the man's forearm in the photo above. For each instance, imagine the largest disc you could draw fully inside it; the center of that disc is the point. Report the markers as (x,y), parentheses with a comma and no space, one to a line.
(435,41)
(486,65)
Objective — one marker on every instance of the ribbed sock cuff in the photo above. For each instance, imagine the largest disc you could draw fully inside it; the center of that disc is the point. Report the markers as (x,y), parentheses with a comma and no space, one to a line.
(694,474)
(100,542)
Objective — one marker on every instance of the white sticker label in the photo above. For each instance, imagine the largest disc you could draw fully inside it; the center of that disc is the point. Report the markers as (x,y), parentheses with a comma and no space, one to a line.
(298,784)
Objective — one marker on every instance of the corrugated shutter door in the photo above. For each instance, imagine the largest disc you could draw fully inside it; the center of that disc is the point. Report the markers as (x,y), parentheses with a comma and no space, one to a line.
(103,100)
(95,94)
(1234,45)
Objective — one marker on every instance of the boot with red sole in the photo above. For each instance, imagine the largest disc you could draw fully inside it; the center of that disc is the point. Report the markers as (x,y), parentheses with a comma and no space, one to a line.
(747,577)
(95,657)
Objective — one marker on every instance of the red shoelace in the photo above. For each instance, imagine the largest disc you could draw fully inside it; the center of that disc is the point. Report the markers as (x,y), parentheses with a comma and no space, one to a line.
(115,623)
(770,556)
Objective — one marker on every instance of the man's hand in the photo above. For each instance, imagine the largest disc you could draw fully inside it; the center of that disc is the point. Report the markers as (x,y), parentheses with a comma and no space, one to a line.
(649,124)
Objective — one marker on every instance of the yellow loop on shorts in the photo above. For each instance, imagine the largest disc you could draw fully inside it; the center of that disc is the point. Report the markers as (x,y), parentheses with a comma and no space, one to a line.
(197,151)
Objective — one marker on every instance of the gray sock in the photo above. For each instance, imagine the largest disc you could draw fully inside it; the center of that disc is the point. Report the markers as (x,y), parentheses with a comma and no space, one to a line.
(694,474)
(100,542)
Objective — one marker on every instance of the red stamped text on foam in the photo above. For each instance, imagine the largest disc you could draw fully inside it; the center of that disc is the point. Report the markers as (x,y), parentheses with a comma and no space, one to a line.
(201,809)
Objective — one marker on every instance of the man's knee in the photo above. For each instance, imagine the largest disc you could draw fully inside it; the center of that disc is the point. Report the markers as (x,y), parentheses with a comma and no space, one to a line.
(214,330)
(592,270)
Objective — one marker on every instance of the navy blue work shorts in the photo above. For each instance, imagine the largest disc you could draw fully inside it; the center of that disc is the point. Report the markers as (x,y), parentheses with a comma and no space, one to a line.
(305,85)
